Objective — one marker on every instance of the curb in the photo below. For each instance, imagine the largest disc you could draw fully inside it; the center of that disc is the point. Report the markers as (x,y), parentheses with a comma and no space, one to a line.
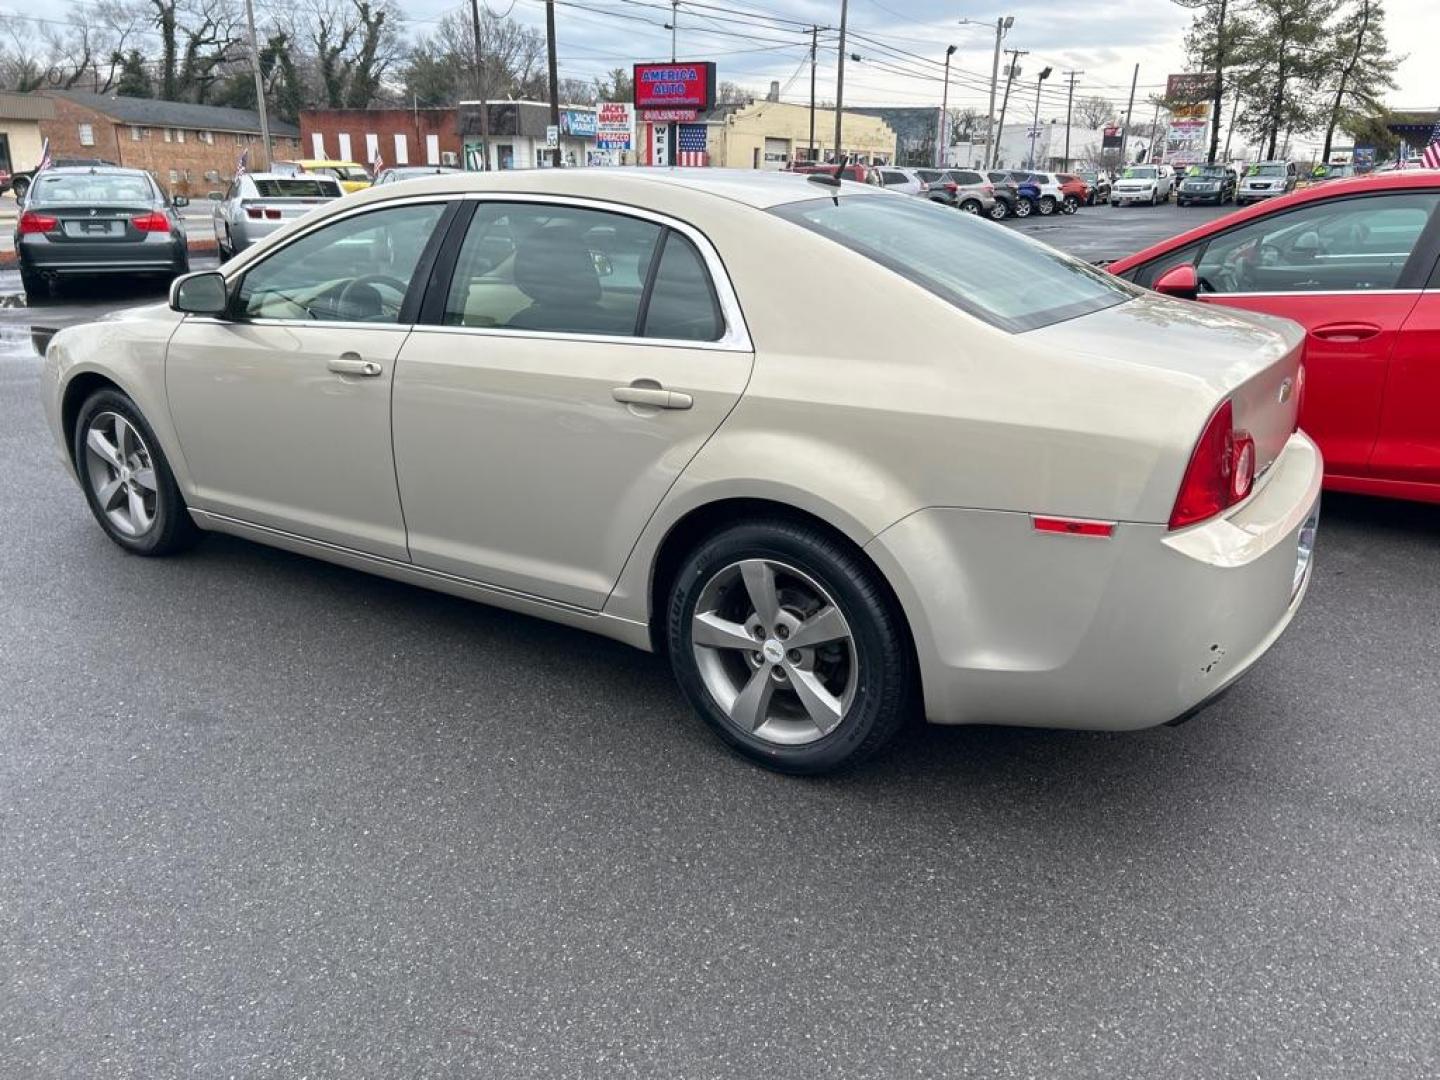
(8,259)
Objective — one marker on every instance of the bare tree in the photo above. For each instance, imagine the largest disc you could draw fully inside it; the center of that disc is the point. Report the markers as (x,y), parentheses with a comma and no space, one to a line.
(1093,112)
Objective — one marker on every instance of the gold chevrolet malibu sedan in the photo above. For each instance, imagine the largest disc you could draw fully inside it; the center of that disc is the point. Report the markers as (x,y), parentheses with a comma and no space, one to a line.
(841,455)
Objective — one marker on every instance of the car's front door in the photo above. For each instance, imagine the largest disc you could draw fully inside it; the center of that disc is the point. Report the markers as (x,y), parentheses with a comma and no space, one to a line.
(1408,448)
(283,408)
(564,375)
(1343,269)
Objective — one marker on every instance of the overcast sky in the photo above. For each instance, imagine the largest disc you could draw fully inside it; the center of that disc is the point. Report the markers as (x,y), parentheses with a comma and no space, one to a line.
(1103,40)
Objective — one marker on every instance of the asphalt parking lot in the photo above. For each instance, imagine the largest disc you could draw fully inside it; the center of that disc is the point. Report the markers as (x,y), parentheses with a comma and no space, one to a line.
(261,816)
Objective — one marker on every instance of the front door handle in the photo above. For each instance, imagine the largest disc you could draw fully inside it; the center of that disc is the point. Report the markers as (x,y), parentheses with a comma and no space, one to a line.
(1346,332)
(350,364)
(655,396)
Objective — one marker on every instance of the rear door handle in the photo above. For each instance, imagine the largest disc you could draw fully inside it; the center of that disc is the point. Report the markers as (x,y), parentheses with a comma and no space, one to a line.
(1346,331)
(350,364)
(655,396)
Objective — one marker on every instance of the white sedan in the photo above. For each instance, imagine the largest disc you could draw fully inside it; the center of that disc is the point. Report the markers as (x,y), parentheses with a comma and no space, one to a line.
(839,454)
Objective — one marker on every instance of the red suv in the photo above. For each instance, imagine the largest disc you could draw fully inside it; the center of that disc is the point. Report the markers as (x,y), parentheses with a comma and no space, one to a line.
(1357,263)
(1075,190)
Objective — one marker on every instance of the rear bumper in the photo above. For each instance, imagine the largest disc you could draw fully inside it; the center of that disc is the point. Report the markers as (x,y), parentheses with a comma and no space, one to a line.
(1018,627)
(154,254)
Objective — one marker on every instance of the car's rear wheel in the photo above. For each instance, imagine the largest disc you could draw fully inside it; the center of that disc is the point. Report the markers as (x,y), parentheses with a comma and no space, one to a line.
(1000,211)
(970,206)
(1072,203)
(1024,206)
(788,645)
(36,286)
(126,479)
(1047,205)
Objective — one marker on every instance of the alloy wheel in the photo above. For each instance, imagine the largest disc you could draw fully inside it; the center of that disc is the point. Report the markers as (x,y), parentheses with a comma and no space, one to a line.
(774,651)
(1023,208)
(121,473)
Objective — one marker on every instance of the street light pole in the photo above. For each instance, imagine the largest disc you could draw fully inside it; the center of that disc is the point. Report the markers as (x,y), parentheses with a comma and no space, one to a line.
(1069,102)
(1002,26)
(480,89)
(259,83)
(1035,123)
(554,80)
(943,143)
(840,81)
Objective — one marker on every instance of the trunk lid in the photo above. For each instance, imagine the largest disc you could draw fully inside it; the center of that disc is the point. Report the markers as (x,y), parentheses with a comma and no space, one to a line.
(1252,359)
(94,222)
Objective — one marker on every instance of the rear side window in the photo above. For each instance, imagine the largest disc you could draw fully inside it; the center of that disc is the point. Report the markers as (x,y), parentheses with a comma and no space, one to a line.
(962,177)
(994,274)
(297,187)
(682,302)
(892,177)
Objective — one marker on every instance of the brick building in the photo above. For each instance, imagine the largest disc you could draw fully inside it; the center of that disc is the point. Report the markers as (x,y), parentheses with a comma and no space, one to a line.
(188,149)
(402,136)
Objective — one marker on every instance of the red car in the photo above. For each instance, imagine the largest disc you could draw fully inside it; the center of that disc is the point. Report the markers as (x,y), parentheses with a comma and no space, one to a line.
(1357,263)
(1076,191)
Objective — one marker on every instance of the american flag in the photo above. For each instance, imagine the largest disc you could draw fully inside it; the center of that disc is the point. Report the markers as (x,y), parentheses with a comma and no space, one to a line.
(243,165)
(1431,155)
(692,146)
(45,161)
(377,164)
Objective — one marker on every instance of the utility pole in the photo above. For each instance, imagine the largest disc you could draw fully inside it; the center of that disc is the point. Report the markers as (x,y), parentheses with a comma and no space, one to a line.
(943,143)
(1001,27)
(1154,123)
(259,82)
(1069,102)
(674,25)
(1125,127)
(840,80)
(554,80)
(480,90)
(814,44)
(1010,72)
(1035,123)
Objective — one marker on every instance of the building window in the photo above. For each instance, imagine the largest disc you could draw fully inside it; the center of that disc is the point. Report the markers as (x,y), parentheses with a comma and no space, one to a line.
(179,134)
(174,176)
(136,132)
(169,134)
(87,135)
(207,137)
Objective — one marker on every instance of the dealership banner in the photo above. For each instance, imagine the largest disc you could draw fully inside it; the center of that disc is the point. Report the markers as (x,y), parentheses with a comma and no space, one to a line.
(684,85)
(1187,142)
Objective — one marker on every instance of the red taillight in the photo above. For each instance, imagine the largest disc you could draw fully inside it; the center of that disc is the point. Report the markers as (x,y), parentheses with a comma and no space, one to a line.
(1221,471)
(254,212)
(273,215)
(31,222)
(152,222)
(952,186)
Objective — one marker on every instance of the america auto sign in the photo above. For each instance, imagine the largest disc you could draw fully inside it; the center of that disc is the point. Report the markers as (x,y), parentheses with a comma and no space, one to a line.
(683,85)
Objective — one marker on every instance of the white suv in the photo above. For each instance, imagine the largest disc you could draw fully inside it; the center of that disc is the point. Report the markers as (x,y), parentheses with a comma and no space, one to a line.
(1265,180)
(1142,183)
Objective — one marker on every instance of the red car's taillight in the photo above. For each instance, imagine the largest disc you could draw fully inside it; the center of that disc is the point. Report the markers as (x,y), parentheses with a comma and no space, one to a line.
(31,222)
(254,212)
(152,222)
(1221,471)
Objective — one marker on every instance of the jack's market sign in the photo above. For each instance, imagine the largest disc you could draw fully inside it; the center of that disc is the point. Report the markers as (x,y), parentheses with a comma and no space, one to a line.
(675,86)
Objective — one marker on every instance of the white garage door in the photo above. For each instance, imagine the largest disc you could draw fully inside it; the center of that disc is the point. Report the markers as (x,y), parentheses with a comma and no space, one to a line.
(777,153)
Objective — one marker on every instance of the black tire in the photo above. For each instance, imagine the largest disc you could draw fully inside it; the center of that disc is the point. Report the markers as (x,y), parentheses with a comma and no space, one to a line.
(1047,205)
(884,669)
(172,529)
(1070,205)
(36,286)
(970,206)
(1181,202)
(1000,211)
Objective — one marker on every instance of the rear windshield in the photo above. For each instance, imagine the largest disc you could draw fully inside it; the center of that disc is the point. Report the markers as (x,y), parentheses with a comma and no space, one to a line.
(91,188)
(297,187)
(994,274)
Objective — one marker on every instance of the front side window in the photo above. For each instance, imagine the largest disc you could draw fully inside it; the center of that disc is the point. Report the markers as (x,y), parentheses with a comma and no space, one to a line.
(355,270)
(1340,245)
(994,274)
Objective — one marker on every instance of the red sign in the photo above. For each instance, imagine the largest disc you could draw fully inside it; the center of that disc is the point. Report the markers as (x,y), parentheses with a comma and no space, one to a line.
(669,116)
(675,86)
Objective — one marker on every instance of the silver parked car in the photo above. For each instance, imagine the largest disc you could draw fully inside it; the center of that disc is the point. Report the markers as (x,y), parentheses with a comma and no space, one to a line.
(905,181)
(395,173)
(256,204)
(964,189)
(625,400)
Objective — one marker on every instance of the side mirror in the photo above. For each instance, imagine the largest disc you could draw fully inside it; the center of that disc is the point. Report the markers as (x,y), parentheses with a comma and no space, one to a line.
(201,293)
(1180,282)
(180,201)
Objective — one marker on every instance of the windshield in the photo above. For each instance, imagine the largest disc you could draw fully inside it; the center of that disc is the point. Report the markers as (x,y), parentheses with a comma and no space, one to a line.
(1000,276)
(344,172)
(298,187)
(91,188)
(1140,172)
(1209,172)
(1267,170)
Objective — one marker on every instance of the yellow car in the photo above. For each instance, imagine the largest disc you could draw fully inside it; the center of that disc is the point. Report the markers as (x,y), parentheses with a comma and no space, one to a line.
(352,176)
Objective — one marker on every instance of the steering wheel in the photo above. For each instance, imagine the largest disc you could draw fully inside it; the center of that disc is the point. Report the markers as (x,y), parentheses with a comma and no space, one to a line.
(342,301)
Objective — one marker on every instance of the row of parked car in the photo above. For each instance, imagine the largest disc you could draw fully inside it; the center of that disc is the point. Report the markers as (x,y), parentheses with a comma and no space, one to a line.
(996,193)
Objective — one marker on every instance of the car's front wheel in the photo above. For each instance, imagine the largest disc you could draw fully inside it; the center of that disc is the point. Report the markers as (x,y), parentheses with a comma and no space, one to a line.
(789,646)
(1047,205)
(127,481)
(1000,211)
(970,206)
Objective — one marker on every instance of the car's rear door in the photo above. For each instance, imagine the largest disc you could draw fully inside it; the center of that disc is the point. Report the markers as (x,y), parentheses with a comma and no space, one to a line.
(1408,447)
(1342,268)
(572,358)
(283,408)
